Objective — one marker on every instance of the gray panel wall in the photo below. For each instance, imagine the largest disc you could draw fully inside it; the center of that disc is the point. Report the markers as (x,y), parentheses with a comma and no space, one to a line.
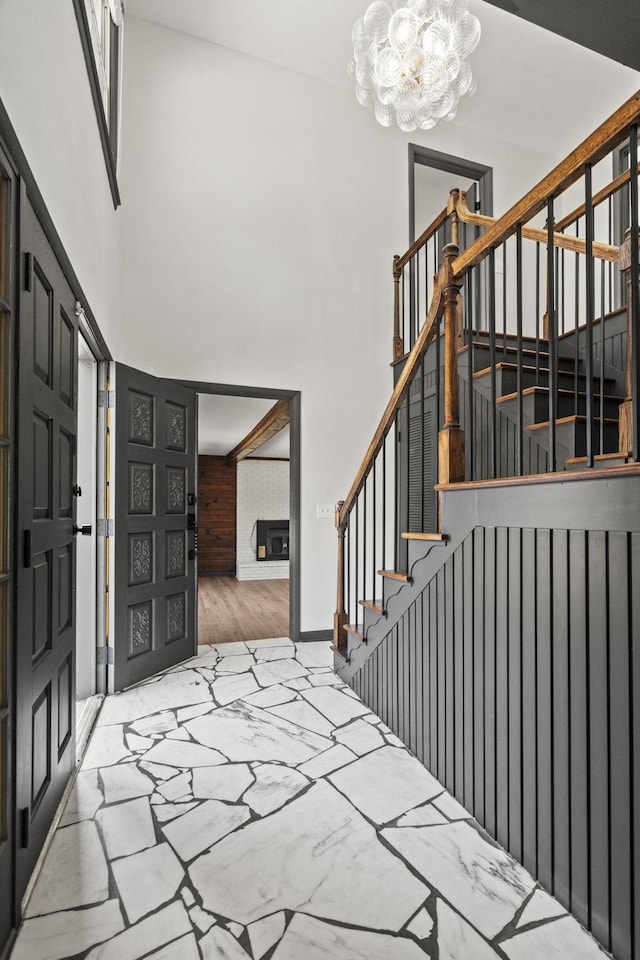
(512,676)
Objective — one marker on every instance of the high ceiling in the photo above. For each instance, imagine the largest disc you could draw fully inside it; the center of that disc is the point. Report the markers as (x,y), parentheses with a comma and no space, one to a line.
(521,69)
(608,27)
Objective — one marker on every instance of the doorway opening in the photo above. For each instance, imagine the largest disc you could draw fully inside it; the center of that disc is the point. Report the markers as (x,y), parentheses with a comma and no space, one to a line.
(433,174)
(90,679)
(244,518)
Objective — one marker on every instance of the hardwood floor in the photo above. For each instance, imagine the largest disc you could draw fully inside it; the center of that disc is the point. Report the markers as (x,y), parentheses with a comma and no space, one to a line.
(230,609)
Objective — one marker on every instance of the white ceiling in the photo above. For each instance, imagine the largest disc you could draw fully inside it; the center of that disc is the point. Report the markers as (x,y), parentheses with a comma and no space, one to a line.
(522,70)
(224,421)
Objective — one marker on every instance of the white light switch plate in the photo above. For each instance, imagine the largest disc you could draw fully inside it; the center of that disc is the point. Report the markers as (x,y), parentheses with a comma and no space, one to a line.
(325,511)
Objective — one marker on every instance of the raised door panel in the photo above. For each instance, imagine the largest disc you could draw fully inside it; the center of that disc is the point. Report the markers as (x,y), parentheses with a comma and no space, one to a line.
(155,515)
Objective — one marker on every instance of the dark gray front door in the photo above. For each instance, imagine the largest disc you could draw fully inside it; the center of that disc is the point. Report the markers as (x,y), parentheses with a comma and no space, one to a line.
(155,536)
(45,574)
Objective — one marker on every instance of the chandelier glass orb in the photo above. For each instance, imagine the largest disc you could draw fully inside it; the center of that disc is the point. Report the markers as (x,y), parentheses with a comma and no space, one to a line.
(411,63)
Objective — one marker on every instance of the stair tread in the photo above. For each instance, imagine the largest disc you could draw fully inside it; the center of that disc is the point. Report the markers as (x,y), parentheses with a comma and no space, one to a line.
(434,537)
(618,455)
(355,629)
(377,606)
(575,418)
(500,348)
(562,392)
(514,366)
(395,575)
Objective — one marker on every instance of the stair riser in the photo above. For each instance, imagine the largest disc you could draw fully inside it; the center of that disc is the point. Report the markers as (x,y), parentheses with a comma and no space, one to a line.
(507,382)
(572,439)
(482,359)
(535,408)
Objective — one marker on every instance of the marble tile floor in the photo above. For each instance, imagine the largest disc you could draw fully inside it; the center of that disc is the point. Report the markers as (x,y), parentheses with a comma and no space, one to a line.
(248,806)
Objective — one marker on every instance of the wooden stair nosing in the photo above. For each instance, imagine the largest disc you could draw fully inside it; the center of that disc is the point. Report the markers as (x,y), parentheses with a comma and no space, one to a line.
(544,370)
(526,352)
(356,630)
(375,606)
(618,455)
(432,537)
(575,418)
(395,575)
(562,391)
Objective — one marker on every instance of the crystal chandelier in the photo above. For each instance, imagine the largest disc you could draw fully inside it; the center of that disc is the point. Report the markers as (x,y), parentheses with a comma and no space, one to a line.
(411,63)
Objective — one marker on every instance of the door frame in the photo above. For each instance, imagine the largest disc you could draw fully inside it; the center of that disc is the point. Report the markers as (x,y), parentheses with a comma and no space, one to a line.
(294,398)
(25,185)
(469,169)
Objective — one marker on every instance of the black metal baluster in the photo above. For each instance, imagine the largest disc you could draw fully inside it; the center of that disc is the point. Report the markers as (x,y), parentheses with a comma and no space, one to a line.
(562,290)
(602,278)
(469,420)
(610,264)
(374,532)
(576,335)
(348,547)
(537,312)
(384,504)
(422,443)
(412,303)
(365,524)
(404,313)
(635,293)
(355,607)
(492,361)
(551,318)
(589,308)
(520,401)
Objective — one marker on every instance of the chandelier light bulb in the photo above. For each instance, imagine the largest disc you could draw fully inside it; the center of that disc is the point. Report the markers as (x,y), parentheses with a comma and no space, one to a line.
(411,62)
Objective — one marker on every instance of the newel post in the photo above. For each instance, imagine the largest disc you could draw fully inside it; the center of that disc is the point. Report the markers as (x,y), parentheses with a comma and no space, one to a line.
(398,348)
(340,617)
(451,437)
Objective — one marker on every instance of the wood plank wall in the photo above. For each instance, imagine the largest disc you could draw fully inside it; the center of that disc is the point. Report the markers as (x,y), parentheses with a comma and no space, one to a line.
(512,676)
(216,516)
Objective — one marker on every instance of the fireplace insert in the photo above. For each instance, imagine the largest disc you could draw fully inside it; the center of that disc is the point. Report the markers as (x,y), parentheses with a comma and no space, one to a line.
(273,540)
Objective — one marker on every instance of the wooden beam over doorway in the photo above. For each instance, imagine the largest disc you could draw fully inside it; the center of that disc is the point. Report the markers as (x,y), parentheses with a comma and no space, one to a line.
(272,423)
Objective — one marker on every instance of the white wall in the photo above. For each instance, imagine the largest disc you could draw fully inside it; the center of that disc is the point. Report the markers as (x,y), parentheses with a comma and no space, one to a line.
(262,208)
(262,494)
(45,90)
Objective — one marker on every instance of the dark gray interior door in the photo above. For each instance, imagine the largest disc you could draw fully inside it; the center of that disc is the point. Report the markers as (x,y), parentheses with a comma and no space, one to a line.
(45,573)
(155,528)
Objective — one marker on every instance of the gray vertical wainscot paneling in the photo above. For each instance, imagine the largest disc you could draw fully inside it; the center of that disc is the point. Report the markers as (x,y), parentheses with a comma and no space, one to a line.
(512,675)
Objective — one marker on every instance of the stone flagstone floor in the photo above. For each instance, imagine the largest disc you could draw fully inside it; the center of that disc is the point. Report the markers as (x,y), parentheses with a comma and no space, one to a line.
(248,806)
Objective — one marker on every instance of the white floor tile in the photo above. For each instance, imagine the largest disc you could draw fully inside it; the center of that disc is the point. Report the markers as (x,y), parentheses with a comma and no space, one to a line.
(481,881)
(386,783)
(275,785)
(317,854)
(127,827)
(68,933)
(556,940)
(155,931)
(147,880)
(313,939)
(74,873)
(249,733)
(457,938)
(197,830)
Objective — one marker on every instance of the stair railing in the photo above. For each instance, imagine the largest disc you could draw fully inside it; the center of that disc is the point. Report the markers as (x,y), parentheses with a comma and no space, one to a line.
(511,321)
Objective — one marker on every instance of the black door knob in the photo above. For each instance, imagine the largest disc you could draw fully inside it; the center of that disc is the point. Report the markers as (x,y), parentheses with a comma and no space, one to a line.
(84,531)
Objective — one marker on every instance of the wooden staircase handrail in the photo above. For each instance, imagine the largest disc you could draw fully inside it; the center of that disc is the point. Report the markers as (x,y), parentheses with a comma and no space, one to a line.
(598,198)
(387,420)
(434,226)
(601,251)
(608,135)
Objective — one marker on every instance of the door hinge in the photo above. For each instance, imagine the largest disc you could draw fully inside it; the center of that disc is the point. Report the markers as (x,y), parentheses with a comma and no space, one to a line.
(105,528)
(106,399)
(25,825)
(28,272)
(104,655)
